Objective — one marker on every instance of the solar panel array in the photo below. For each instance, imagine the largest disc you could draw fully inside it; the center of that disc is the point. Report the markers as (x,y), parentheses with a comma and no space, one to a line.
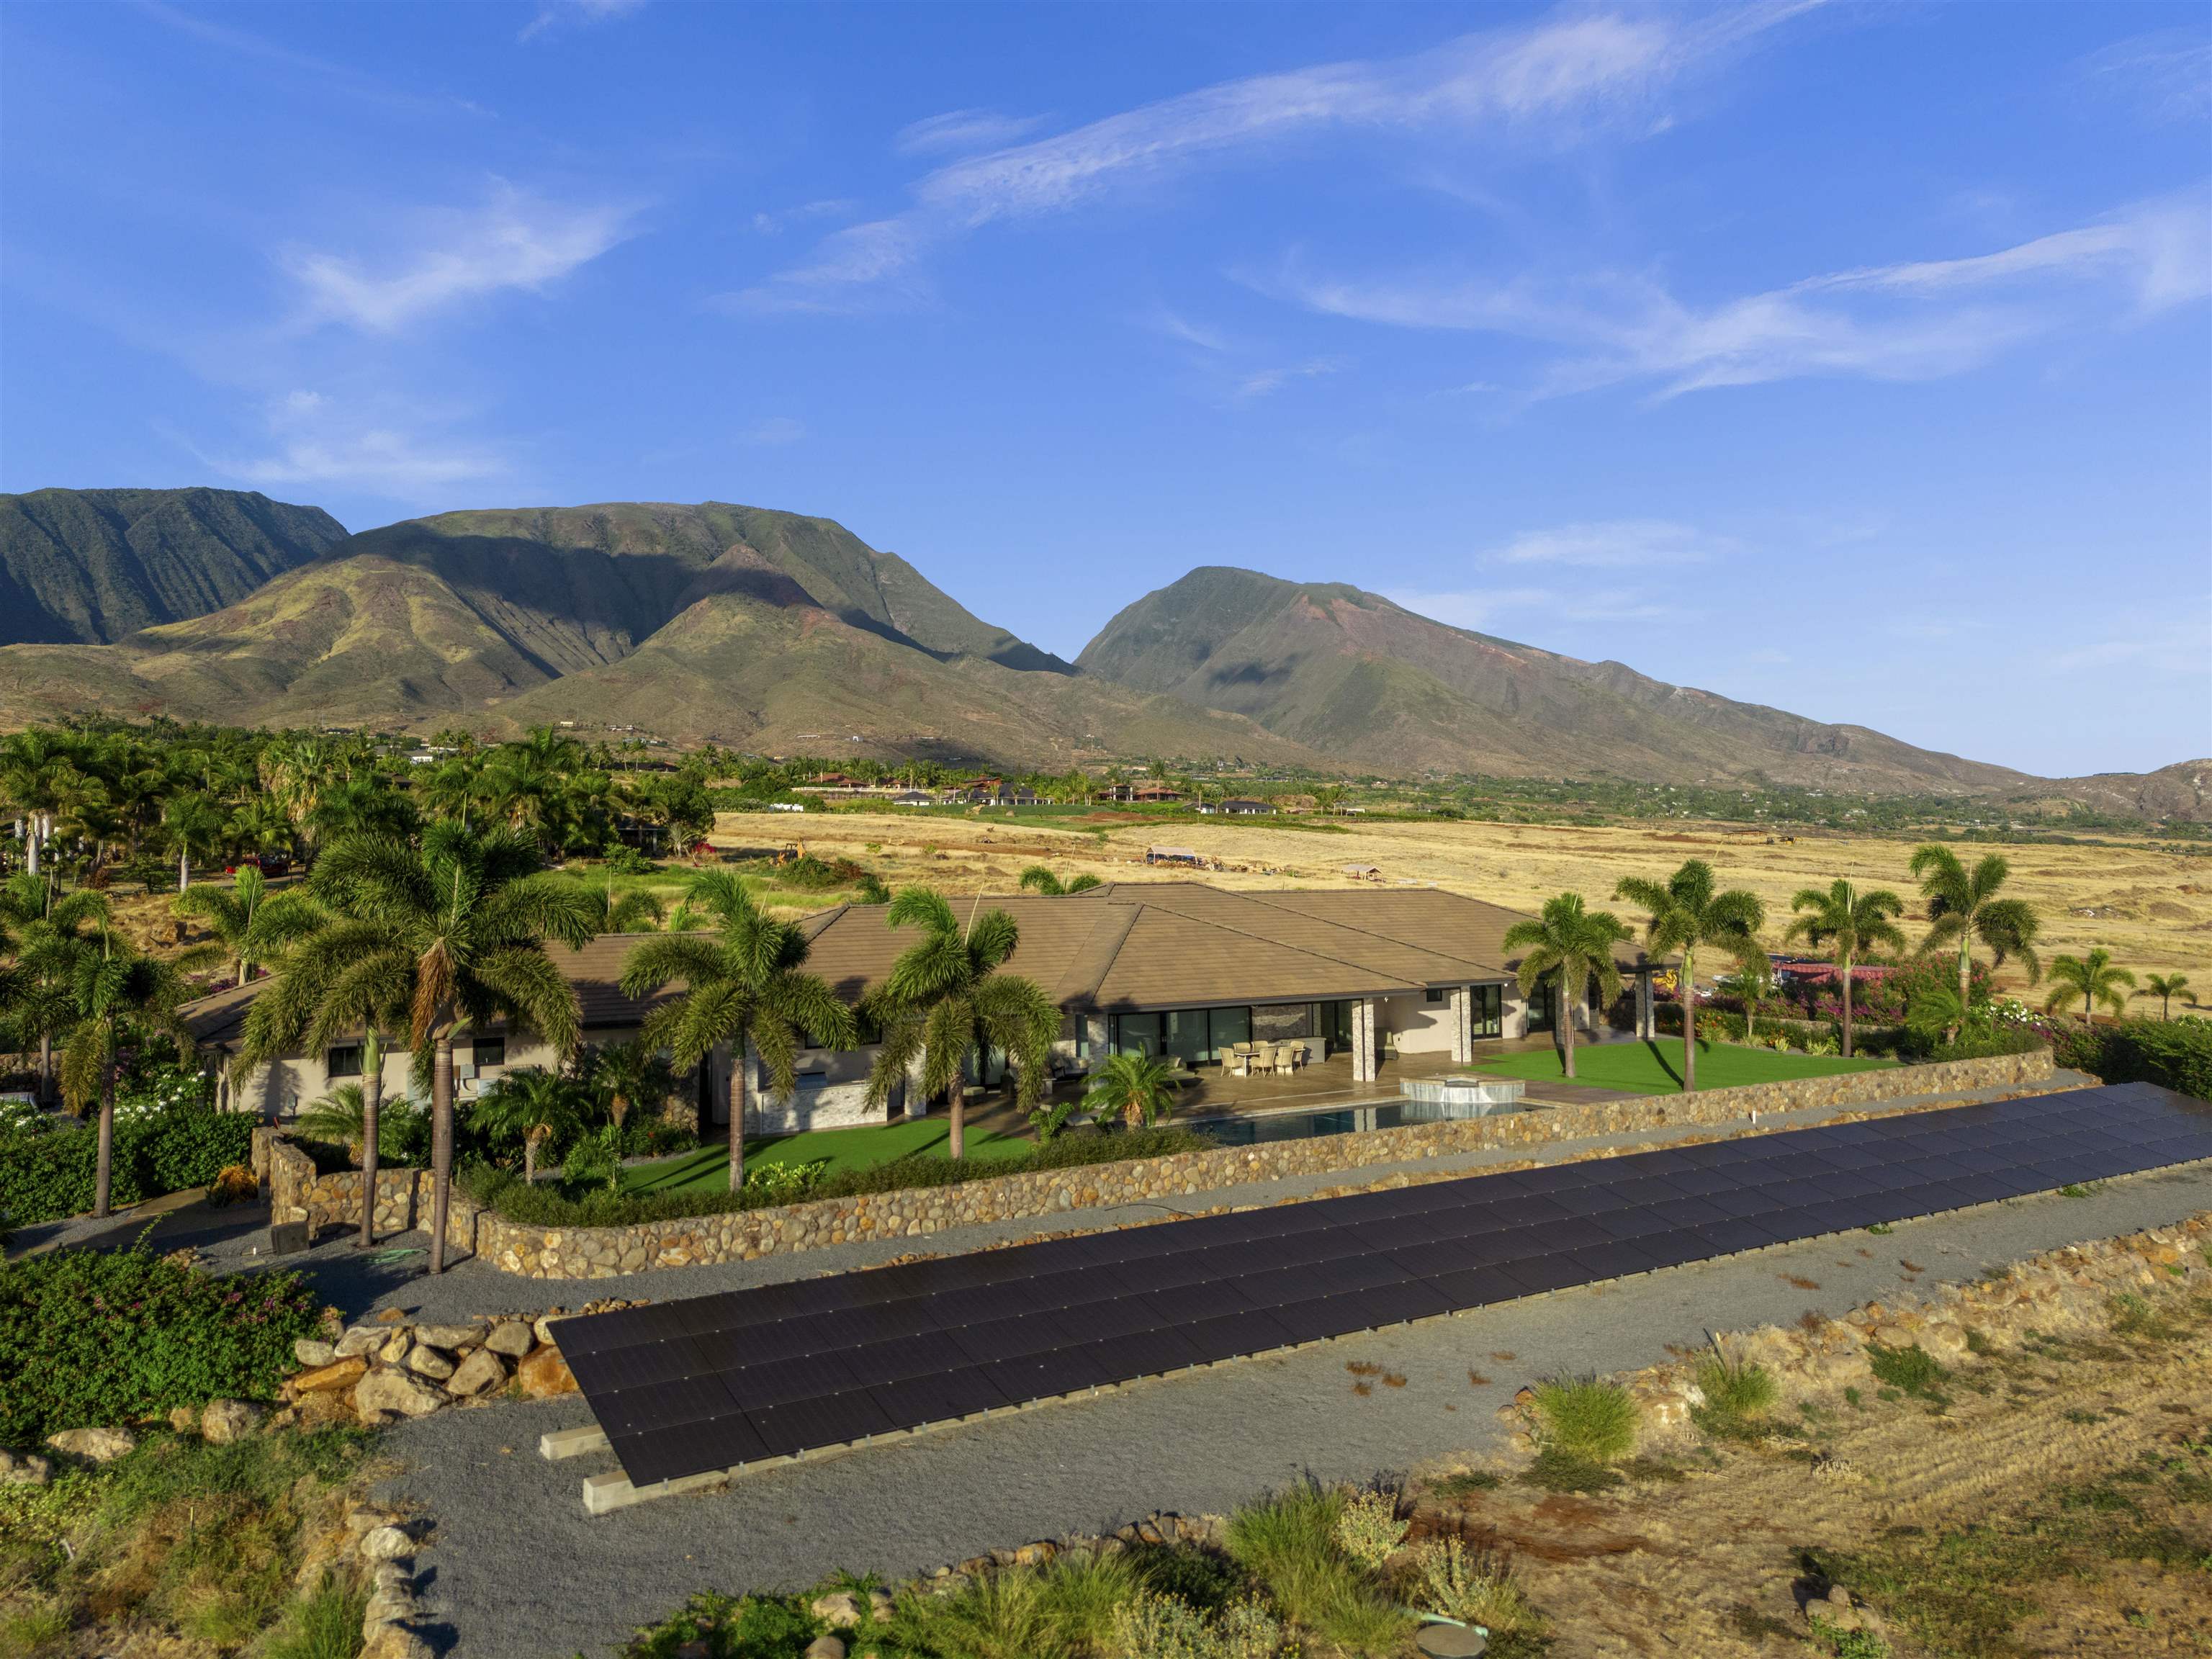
(716,1382)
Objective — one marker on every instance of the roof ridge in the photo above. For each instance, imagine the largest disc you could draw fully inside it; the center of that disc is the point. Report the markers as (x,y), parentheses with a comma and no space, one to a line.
(1370,933)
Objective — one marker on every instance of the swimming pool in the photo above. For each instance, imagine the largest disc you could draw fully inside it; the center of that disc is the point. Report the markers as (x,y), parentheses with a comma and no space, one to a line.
(1428,1100)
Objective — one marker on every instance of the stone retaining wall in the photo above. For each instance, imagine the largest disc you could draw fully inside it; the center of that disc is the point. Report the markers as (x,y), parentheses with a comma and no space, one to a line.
(298,1191)
(540,1252)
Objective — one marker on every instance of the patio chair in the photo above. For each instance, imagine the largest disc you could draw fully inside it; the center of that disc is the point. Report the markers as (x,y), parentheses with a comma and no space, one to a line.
(1289,1056)
(1238,1057)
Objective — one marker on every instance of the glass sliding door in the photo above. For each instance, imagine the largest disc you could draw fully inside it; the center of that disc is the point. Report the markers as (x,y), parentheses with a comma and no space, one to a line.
(1488,1010)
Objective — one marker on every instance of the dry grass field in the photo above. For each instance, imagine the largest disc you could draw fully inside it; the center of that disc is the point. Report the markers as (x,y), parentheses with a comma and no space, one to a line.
(2150,905)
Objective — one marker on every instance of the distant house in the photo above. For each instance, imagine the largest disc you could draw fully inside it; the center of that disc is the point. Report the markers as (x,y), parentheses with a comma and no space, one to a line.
(1240,809)
(914,798)
(1363,872)
(1151,794)
(787,807)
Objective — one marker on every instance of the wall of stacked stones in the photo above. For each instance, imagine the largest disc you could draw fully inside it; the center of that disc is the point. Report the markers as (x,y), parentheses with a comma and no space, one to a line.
(298,1191)
(541,1252)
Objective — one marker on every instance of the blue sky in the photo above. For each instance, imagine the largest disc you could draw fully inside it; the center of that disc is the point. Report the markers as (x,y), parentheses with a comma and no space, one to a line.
(1853,359)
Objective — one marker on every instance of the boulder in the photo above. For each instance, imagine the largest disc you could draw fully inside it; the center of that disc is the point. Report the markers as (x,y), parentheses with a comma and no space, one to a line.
(386,1543)
(395,1346)
(511,1337)
(183,1419)
(225,1422)
(450,1337)
(825,1647)
(394,1392)
(312,1352)
(543,1324)
(544,1374)
(395,1642)
(322,1409)
(93,1445)
(840,1610)
(481,1370)
(388,1316)
(881,1606)
(28,1470)
(426,1361)
(338,1373)
(360,1339)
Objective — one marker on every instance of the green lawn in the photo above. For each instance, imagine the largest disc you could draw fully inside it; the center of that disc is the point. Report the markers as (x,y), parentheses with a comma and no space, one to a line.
(1656,1068)
(837,1149)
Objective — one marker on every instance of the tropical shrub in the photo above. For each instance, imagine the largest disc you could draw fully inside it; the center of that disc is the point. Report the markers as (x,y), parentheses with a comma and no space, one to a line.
(2174,1052)
(47,1172)
(89,1338)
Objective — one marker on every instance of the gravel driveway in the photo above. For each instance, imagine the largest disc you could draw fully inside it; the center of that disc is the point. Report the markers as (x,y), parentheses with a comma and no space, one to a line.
(516,1568)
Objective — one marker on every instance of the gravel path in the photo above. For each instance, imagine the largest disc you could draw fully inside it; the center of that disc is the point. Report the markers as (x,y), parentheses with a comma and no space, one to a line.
(395,1277)
(516,1568)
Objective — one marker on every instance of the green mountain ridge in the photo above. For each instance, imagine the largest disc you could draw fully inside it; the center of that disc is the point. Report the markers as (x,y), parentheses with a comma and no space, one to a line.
(1370,683)
(90,566)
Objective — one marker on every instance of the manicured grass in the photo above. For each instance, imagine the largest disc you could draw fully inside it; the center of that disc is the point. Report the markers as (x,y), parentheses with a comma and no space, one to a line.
(1651,1068)
(835,1149)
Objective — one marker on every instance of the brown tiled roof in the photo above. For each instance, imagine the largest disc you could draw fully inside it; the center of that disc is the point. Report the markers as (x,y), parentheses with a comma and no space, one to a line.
(1122,947)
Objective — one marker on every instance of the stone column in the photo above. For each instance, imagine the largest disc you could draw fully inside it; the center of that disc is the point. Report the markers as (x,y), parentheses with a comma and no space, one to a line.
(1643,1014)
(1096,1034)
(1462,1019)
(1363,1067)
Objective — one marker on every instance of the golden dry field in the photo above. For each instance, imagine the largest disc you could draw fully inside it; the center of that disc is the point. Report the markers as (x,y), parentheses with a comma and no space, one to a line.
(2150,905)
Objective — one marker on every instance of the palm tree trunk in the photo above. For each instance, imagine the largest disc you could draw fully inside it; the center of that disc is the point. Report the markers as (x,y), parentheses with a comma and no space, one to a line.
(737,1119)
(1689,1020)
(183,868)
(1847,1004)
(955,1144)
(1562,1015)
(103,1174)
(46,1068)
(372,1101)
(441,1146)
(1965,978)
(529,1158)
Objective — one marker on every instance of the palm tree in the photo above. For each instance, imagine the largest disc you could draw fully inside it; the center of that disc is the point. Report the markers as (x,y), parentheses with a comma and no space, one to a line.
(1038,879)
(1686,913)
(1849,924)
(341,1116)
(2093,979)
(630,1074)
(54,931)
(745,985)
(454,931)
(638,911)
(252,926)
(944,996)
(1137,1086)
(1964,907)
(1573,946)
(194,824)
(2166,988)
(32,762)
(114,989)
(533,1105)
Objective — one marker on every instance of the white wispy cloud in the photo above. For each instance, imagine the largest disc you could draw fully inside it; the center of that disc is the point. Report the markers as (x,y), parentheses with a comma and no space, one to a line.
(774,224)
(1264,382)
(515,240)
(1568,74)
(1614,545)
(334,443)
(772,429)
(1915,320)
(2166,75)
(961,130)
(1486,609)
(553,15)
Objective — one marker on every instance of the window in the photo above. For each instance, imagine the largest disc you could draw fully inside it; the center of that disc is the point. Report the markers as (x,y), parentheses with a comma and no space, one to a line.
(489,1051)
(1434,994)
(1540,1007)
(1487,1016)
(344,1061)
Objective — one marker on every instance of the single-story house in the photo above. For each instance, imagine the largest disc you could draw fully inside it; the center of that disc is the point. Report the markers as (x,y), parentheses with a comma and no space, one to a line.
(914,798)
(1175,969)
(1239,809)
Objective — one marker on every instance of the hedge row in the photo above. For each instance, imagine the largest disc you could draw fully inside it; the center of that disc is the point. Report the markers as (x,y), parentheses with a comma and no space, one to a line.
(2176,1052)
(545,1205)
(91,1339)
(47,1174)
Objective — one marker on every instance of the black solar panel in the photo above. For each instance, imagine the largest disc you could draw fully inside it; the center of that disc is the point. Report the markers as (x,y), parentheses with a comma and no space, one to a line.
(713,1382)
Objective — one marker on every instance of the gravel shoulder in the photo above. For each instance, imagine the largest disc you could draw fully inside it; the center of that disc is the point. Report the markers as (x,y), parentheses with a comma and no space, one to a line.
(516,1568)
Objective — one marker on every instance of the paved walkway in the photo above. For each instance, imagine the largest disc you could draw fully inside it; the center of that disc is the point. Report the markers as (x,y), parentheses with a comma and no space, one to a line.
(395,1275)
(519,1570)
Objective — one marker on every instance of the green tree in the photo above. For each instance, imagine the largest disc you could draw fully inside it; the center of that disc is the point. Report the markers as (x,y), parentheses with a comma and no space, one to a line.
(253,926)
(638,911)
(533,1106)
(194,824)
(2093,979)
(456,928)
(1573,947)
(1136,1088)
(1964,908)
(2166,988)
(1038,879)
(1687,912)
(341,1117)
(118,994)
(1849,926)
(944,997)
(32,765)
(630,1074)
(52,931)
(745,984)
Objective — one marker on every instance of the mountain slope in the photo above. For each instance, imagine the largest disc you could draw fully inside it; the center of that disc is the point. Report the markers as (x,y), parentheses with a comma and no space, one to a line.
(92,565)
(1357,678)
